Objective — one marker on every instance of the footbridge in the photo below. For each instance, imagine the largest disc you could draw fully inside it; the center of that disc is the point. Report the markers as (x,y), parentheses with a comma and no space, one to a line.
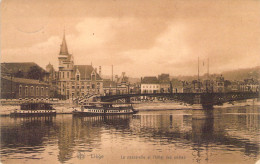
(206,99)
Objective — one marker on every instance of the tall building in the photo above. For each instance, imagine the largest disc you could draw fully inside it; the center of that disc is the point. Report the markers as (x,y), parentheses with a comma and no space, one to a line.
(76,81)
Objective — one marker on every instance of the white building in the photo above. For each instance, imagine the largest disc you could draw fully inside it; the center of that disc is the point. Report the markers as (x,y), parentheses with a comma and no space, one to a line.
(150,85)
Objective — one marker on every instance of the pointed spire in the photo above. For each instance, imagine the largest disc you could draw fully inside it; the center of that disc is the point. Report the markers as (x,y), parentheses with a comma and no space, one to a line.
(63,46)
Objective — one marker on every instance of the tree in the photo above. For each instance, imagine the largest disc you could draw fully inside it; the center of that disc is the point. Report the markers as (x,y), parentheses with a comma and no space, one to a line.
(35,73)
(19,74)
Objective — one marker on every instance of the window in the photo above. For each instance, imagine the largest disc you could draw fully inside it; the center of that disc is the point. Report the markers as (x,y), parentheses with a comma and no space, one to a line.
(37,91)
(42,91)
(32,90)
(46,91)
(93,86)
(63,74)
(93,77)
(26,91)
(20,90)
(68,75)
(68,65)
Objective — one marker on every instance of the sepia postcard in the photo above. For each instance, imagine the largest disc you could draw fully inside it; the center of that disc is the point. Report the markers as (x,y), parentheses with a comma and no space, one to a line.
(130,81)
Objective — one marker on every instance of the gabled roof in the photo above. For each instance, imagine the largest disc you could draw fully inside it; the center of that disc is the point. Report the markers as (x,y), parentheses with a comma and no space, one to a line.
(150,80)
(23,80)
(15,67)
(85,71)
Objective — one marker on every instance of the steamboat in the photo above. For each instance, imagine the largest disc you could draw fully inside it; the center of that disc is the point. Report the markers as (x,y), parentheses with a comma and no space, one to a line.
(103,108)
(34,109)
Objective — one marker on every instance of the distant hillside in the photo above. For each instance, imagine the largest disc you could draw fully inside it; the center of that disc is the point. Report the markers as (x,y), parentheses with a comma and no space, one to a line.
(238,74)
(241,74)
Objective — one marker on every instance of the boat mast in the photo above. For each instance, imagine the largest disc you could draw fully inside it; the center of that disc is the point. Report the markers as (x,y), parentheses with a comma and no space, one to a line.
(199,72)
(198,68)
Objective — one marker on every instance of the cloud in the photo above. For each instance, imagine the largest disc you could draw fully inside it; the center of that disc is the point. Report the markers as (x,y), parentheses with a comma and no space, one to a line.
(144,39)
(40,53)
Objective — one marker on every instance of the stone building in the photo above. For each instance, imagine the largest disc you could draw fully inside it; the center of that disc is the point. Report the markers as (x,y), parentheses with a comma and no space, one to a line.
(249,85)
(76,81)
(219,84)
(120,85)
(165,83)
(21,88)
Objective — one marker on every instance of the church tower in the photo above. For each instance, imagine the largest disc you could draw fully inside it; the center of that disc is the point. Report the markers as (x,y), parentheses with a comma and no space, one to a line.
(66,64)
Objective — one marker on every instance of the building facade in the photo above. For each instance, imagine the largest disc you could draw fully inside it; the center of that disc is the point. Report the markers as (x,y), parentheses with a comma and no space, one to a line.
(76,81)
(165,83)
(249,85)
(150,85)
(21,88)
(120,85)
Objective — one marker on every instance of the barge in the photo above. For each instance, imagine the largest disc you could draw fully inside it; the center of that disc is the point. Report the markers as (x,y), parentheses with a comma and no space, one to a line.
(34,109)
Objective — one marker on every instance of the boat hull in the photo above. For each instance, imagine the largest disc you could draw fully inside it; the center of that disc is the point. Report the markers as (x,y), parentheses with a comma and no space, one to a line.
(16,114)
(86,113)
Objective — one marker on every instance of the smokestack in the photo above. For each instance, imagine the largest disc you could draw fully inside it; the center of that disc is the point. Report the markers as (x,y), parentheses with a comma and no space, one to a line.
(99,71)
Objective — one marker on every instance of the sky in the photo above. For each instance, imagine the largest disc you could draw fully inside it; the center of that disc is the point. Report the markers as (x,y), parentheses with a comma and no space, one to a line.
(141,38)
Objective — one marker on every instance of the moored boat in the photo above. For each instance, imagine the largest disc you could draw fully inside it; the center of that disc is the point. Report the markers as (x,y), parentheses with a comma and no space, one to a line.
(34,109)
(95,109)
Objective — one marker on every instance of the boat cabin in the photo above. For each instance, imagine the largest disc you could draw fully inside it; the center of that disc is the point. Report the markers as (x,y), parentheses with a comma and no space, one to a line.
(36,106)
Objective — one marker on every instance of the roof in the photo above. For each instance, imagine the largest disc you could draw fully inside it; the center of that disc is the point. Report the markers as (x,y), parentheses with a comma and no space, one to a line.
(164,78)
(15,67)
(150,80)
(23,80)
(85,71)
(63,47)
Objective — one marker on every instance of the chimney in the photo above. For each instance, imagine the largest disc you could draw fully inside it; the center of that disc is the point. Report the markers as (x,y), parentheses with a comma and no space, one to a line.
(99,71)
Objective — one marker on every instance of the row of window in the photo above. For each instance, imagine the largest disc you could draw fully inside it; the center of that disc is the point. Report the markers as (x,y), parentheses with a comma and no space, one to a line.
(30,91)
(150,86)
(108,111)
(82,93)
(62,75)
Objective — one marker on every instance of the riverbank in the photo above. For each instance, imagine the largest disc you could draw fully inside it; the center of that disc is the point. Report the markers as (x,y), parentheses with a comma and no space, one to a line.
(66,108)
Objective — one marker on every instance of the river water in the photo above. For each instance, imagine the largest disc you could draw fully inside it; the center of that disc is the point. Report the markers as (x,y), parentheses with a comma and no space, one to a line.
(227,135)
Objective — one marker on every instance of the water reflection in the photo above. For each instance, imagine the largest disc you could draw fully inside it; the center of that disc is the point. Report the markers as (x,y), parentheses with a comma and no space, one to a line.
(196,132)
